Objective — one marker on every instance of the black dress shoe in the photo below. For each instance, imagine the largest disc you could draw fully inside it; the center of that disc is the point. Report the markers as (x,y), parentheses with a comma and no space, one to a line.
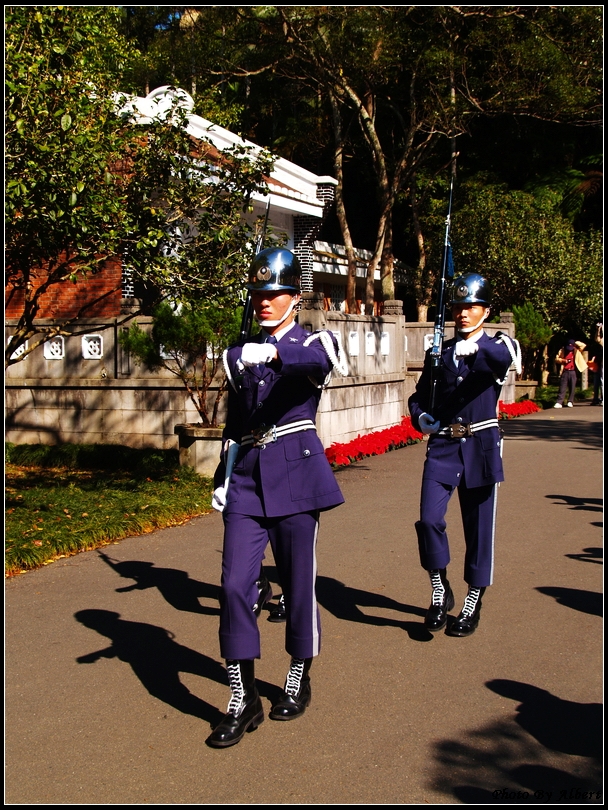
(278,612)
(264,594)
(290,707)
(232,728)
(297,692)
(437,615)
(466,623)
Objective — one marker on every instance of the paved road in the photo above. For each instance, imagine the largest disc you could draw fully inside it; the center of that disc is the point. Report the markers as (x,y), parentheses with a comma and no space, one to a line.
(113,674)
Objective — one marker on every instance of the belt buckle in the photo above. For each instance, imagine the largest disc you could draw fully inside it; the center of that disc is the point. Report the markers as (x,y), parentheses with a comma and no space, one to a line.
(264,434)
(459,429)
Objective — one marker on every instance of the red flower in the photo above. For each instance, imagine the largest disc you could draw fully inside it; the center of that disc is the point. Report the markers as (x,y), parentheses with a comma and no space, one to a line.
(381,441)
(517,409)
(374,444)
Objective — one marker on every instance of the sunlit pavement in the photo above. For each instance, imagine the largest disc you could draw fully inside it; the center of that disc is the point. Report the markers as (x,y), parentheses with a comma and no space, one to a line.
(113,674)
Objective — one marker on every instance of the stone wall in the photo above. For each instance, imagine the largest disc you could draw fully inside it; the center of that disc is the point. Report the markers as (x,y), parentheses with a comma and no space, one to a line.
(105,399)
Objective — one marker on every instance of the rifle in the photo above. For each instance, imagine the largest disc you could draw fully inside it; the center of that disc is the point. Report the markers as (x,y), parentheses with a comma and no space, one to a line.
(447,272)
(247,319)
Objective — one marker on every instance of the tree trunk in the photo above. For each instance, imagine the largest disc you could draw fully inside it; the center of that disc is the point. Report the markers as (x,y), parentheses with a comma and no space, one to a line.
(423,313)
(387,265)
(351,278)
(421,282)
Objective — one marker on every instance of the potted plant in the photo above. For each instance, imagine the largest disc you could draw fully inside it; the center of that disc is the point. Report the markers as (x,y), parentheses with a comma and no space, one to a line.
(188,340)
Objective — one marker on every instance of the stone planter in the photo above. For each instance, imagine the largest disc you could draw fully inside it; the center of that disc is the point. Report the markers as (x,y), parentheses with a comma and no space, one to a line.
(199,447)
(525,387)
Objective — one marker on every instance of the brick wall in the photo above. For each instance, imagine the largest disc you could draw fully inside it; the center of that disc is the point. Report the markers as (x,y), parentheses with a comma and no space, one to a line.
(98,295)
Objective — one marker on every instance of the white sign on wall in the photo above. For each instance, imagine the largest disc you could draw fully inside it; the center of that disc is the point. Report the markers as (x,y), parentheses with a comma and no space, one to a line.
(353,344)
(54,349)
(19,351)
(385,344)
(370,343)
(92,347)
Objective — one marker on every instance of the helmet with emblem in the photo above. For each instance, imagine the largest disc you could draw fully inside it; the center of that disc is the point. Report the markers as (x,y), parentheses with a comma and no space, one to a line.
(471,289)
(275,270)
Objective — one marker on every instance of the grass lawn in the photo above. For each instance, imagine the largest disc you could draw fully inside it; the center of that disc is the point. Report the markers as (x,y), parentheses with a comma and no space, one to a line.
(66,499)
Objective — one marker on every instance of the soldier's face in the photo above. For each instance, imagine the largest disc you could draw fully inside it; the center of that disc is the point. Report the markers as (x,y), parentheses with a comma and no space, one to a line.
(270,307)
(469,317)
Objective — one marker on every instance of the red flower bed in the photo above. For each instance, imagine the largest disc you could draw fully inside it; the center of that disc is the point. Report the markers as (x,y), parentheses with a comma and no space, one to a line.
(517,409)
(374,444)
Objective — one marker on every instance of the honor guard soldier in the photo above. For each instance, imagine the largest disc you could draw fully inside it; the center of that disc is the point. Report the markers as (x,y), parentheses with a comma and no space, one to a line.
(463,452)
(274,490)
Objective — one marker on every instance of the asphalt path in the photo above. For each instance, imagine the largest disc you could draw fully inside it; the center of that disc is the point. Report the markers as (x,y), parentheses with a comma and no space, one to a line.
(114,678)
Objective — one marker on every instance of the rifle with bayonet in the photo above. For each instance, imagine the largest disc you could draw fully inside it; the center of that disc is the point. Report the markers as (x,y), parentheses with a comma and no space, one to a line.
(447,274)
(247,319)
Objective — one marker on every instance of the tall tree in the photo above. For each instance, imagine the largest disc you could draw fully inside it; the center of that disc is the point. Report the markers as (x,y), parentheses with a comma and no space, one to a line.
(396,85)
(83,184)
(531,254)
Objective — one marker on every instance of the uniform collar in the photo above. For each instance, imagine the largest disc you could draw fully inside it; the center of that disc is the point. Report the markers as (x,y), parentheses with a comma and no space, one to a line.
(475,338)
(280,334)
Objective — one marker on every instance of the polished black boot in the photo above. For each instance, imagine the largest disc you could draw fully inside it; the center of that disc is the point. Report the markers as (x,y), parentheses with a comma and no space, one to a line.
(442,601)
(296,695)
(278,612)
(245,712)
(264,592)
(466,623)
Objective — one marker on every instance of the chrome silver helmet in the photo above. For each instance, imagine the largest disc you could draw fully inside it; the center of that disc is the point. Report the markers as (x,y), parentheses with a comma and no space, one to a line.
(471,289)
(275,270)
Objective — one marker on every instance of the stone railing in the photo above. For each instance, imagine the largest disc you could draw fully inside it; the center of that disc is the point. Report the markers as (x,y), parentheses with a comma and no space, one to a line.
(102,398)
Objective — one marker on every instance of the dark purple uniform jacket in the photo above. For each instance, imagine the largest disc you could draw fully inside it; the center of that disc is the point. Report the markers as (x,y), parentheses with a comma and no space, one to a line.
(467,393)
(291,475)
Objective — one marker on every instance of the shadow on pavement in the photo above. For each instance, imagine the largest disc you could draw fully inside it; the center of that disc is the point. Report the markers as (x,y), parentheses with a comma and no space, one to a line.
(573,430)
(591,554)
(585,601)
(577,504)
(157,660)
(345,603)
(527,758)
(175,586)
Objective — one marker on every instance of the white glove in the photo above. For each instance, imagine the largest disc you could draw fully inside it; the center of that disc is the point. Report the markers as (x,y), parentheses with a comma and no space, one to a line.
(428,424)
(464,348)
(218,501)
(256,354)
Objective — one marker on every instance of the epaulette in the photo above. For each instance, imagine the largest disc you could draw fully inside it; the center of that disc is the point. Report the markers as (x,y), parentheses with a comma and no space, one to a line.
(514,350)
(337,360)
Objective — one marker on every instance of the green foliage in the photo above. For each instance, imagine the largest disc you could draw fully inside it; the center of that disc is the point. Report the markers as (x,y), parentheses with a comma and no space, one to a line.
(580,189)
(188,341)
(57,503)
(533,335)
(108,457)
(530,329)
(83,183)
(531,253)
(546,395)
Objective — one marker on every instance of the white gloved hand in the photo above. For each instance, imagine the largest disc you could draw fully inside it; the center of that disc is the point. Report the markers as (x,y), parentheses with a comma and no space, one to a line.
(428,424)
(256,354)
(464,348)
(218,501)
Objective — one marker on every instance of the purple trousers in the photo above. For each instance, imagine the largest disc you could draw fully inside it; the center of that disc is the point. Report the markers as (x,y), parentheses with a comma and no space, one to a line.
(478,510)
(293,540)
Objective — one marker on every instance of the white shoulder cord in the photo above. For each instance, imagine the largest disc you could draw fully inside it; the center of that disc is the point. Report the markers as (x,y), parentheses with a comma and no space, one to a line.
(337,361)
(227,370)
(515,353)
